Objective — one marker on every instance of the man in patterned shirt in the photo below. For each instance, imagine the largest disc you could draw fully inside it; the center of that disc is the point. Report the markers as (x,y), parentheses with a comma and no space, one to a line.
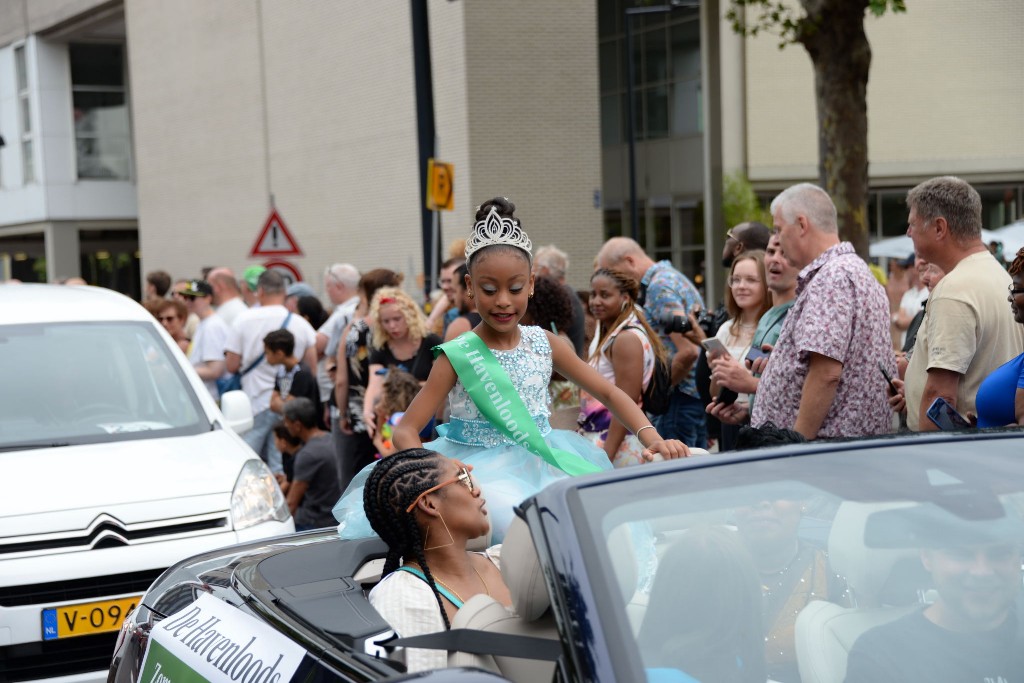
(665,292)
(823,379)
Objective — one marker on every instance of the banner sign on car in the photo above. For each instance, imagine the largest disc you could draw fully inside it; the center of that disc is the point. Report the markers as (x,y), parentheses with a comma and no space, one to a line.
(212,641)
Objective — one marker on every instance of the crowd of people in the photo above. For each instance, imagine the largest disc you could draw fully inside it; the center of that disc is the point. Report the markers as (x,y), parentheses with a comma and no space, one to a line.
(808,340)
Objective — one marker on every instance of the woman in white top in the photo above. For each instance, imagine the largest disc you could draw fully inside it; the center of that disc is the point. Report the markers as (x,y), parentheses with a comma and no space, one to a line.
(746,299)
(426,507)
(623,351)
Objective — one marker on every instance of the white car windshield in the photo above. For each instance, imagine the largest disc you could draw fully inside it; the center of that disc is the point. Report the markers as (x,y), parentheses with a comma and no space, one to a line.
(90,382)
(846,565)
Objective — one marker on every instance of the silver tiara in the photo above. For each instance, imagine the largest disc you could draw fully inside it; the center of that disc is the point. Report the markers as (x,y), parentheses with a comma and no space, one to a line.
(497,230)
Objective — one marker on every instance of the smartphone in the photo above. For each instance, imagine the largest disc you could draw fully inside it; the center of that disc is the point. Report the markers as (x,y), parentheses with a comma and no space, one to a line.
(888,378)
(714,346)
(756,353)
(726,397)
(945,416)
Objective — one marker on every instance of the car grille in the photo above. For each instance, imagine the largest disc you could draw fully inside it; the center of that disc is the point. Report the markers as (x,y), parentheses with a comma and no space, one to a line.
(109,532)
(63,657)
(77,589)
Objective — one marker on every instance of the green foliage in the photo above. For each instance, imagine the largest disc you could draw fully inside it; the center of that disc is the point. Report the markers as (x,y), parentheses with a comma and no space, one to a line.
(780,18)
(739,203)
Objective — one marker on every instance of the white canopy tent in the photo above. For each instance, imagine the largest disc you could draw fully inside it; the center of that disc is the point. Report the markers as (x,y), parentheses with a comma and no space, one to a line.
(1012,237)
(901,247)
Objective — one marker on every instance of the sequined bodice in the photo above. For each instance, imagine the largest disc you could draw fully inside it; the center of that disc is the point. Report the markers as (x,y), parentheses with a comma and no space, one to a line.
(529,367)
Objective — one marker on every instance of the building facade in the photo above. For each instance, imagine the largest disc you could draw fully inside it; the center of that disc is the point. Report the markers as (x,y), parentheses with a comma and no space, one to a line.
(145,135)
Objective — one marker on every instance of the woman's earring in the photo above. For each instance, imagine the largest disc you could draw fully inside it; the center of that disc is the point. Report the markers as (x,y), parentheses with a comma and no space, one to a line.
(470,294)
(451,540)
(623,306)
(531,296)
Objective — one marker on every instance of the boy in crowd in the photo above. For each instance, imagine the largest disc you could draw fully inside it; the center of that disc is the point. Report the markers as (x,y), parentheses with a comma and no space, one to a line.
(293,380)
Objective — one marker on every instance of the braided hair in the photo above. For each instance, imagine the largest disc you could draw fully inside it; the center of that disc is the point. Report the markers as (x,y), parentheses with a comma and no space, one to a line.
(629,286)
(1017,266)
(395,482)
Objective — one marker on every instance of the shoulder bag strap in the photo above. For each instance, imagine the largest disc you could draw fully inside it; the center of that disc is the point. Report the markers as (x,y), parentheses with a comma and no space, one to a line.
(259,358)
(492,391)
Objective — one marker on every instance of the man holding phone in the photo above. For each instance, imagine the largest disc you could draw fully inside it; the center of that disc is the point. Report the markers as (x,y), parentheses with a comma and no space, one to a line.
(966,333)
(823,378)
(727,372)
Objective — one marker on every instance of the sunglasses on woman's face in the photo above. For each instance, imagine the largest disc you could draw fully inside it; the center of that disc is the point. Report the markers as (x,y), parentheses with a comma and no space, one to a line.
(463,477)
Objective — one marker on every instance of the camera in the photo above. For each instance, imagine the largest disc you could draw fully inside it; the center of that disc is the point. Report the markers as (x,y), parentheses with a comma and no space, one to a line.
(709,321)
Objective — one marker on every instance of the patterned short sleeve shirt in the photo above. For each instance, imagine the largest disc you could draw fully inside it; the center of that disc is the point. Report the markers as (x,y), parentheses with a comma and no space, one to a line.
(840,312)
(668,291)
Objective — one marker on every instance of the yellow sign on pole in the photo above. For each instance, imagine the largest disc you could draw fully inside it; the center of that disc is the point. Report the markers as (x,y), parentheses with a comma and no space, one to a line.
(440,186)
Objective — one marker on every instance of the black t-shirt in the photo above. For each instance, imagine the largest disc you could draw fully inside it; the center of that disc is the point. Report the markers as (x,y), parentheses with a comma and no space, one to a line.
(915,649)
(316,464)
(301,382)
(420,363)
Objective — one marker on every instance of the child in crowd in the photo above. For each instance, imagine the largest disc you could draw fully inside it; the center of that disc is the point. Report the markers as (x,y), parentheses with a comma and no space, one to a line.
(398,391)
(288,445)
(293,380)
(495,378)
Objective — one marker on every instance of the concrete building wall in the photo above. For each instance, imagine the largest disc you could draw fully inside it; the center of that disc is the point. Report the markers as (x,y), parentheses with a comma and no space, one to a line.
(332,138)
(534,119)
(943,97)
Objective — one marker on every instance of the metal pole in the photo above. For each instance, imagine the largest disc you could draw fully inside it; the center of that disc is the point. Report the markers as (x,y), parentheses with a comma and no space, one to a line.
(424,128)
(634,214)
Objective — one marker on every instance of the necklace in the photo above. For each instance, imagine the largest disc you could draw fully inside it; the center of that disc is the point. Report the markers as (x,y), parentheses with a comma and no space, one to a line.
(486,589)
(451,590)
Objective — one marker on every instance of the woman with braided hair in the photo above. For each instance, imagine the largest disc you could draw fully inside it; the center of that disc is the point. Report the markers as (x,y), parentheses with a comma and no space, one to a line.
(1000,398)
(426,507)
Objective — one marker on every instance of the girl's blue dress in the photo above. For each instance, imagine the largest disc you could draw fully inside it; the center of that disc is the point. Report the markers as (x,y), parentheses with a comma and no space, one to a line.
(507,472)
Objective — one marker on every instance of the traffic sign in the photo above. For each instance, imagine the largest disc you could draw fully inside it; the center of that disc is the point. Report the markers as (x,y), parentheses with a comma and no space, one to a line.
(275,239)
(440,186)
(290,271)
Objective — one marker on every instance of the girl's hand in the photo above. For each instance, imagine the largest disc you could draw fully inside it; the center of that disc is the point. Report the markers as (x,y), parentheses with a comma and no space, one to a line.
(370,420)
(668,449)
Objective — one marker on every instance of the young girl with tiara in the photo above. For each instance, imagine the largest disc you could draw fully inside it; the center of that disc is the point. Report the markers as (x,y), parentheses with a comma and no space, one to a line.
(495,378)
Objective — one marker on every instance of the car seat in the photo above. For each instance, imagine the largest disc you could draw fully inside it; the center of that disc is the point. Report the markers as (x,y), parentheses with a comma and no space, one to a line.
(886,584)
(530,614)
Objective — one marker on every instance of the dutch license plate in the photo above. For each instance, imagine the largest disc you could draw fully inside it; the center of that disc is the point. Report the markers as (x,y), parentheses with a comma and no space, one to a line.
(86,618)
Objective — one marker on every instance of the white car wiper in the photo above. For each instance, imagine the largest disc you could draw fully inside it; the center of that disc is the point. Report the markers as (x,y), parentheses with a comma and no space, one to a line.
(30,445)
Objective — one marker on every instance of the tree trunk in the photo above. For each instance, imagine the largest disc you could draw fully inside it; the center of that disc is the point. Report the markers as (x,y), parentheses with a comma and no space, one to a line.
(833,34)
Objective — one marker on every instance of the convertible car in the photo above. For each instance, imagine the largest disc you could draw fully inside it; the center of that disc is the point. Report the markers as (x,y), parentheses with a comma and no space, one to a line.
(784,564)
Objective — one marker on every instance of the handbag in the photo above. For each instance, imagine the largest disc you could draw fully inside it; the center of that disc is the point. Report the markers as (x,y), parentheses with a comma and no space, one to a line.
(233,382)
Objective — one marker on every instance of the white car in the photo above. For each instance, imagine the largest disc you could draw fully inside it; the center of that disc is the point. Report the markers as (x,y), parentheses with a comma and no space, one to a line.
(115,463)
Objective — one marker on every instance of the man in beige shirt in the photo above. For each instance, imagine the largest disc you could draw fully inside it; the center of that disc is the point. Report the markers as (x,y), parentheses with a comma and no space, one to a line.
(968,330)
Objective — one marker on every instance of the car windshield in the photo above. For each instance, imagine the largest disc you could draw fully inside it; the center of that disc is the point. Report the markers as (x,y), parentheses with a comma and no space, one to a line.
(76,383)
(764,569)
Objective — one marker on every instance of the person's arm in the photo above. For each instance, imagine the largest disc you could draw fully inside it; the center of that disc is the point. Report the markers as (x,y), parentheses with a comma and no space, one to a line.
(310,357)
(373,388)
(683,361)
(457,327)
(818,393)
(1018,406)
(232,361)
(621,406)
(431,395)
(321,344)
(627,357)
(736,413)
(341,383)
(296,490)
(942,383)
(211,369)
(276,402)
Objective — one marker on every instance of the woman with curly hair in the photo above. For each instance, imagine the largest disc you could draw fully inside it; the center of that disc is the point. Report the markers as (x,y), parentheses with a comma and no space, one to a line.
(400,338)
(1000,400)
(426,507)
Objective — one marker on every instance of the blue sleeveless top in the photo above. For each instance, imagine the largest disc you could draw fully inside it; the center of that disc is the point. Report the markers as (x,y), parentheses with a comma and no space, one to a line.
(995,399)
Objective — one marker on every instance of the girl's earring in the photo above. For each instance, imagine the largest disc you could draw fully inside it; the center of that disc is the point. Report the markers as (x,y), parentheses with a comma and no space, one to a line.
(531,296)
(622,307)
(451,539)
(470,294)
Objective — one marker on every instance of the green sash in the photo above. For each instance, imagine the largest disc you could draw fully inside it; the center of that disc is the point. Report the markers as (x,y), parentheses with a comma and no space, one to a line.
(492,391)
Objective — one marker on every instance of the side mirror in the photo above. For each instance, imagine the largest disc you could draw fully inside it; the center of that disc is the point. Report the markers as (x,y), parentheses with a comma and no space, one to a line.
(237,411)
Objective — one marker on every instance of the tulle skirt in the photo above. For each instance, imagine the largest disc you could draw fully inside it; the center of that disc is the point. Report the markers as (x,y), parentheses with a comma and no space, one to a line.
(508,474)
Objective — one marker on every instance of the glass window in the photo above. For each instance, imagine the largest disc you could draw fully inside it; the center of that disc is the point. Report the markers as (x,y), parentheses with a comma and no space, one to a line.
(610,61)
(655,56)
(611,120)
(686,114)
(656,112)
(706,570)
(685,41)
(100,101)
(134,386)
(894,213)
(28,165)
(613,226)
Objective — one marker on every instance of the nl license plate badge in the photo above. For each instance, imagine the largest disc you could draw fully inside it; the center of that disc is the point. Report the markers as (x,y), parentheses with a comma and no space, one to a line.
(86,618)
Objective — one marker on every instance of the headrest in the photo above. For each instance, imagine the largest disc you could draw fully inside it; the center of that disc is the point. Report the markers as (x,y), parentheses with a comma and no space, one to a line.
(866,570)
(521,570)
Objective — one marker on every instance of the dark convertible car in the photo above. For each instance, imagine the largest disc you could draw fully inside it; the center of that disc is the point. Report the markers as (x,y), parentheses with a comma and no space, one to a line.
(805,562)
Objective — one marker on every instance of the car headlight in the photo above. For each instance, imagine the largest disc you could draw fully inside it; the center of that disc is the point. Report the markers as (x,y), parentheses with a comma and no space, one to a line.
(257,498)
